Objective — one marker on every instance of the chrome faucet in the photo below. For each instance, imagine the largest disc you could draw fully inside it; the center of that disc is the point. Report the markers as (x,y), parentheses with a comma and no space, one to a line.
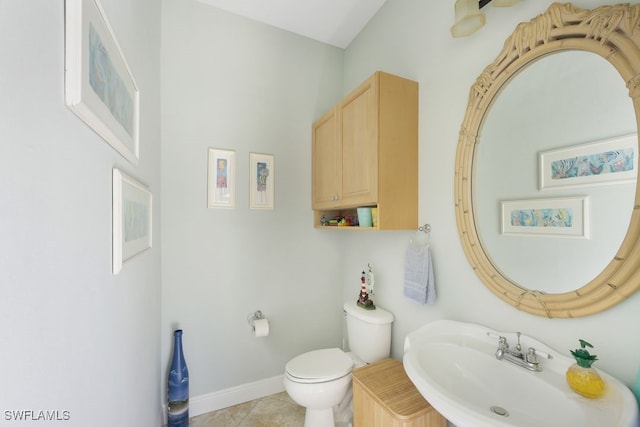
(528,360)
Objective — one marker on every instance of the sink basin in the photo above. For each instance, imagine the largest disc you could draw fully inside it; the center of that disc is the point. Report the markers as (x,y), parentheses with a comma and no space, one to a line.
(453,365)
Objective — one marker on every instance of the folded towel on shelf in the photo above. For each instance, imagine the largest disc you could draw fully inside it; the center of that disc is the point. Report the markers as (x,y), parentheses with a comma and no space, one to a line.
(419,282)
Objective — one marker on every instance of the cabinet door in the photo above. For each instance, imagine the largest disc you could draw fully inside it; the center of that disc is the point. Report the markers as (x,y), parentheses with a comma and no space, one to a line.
(359,135)
(326,162)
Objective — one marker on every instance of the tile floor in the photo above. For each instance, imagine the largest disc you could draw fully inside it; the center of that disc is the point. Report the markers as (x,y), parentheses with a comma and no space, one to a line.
(277,410)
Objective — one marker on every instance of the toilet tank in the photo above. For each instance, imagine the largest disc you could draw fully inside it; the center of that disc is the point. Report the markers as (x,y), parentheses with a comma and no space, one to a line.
(368,332)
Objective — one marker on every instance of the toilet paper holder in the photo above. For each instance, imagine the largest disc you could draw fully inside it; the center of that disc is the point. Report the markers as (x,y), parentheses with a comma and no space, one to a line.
(254,316)
(258,324)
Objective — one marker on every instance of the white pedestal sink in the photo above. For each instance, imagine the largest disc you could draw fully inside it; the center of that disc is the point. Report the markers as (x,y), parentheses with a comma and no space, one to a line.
(454,367)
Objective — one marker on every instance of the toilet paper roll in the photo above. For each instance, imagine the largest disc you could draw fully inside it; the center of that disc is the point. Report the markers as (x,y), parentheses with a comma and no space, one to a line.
(260,327)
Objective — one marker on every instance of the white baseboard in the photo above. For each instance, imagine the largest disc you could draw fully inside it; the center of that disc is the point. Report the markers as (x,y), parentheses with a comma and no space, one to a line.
(210,402)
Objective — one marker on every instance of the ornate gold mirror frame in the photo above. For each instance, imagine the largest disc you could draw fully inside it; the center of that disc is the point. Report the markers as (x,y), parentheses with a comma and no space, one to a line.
(613,32)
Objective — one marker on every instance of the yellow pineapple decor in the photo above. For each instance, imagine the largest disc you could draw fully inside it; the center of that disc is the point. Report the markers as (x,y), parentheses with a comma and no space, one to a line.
(581,377)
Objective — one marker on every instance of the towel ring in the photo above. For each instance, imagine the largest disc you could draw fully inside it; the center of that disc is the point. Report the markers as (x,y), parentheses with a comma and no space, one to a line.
(426,228)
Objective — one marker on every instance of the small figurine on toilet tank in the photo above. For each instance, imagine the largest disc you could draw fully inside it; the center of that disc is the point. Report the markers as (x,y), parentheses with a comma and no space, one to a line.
(363,298)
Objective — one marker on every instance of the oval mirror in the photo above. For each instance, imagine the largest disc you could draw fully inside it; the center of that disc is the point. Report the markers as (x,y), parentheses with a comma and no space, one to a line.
(507,170)
(588,260)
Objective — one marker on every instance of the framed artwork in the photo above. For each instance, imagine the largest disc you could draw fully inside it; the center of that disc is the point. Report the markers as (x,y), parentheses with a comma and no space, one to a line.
(261,181)
(132,219)
(99,86)
(221,185)
(608,161)
(566,217)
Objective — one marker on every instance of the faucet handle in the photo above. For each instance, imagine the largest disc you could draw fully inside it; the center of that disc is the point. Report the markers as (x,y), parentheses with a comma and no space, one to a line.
(502,341)
(532,355)
(502,345)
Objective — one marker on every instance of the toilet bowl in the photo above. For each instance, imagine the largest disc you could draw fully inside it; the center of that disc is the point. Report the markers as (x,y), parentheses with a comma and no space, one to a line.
(319,380)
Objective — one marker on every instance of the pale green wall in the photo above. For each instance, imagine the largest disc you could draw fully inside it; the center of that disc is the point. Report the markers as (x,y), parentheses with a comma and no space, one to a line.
(75,338)
(411,38)
(231,83)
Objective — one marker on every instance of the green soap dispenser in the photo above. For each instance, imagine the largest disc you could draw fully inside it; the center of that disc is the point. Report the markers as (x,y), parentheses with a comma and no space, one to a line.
(581,377)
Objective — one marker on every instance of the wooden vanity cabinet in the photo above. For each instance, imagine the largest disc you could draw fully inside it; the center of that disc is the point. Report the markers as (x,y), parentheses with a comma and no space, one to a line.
(365,153)
(384,396)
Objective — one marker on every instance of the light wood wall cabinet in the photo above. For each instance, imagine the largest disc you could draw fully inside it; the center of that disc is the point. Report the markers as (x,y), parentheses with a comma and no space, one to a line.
(365,153)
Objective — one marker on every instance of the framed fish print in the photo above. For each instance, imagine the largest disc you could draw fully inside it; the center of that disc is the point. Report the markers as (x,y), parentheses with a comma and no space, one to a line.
(603,162)
(559,217)
(132,219)
(99,86)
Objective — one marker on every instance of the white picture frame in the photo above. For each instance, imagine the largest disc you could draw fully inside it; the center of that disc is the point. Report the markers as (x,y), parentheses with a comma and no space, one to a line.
(221,179)
(132,219)
(610,161)
(261,181)
(99,86)
(551,217)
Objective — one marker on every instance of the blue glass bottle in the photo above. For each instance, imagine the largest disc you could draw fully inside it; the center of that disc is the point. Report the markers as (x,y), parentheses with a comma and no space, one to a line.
(178,387)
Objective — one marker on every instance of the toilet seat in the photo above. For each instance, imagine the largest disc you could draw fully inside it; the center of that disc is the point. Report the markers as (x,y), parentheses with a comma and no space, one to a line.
(319,366)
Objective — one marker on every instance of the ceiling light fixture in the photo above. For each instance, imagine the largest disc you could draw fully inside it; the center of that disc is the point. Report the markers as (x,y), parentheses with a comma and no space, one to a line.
(469,19)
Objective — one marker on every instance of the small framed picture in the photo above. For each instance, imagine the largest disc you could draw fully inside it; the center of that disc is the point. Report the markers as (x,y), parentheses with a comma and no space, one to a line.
(99,86)
(557,217)
(608,161)
(221,185)
(261,181)
(132,219)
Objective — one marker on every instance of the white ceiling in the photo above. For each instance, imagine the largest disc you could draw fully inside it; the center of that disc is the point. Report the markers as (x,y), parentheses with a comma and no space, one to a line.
(335,22)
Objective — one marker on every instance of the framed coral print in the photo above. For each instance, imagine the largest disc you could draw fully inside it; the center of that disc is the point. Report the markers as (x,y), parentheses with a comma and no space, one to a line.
(132,219)
(261,181)
(601,162)
(559,217)
(99,86)
(221,179)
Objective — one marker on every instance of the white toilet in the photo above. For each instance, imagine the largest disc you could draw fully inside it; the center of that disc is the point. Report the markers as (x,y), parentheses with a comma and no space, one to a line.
(320,380)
